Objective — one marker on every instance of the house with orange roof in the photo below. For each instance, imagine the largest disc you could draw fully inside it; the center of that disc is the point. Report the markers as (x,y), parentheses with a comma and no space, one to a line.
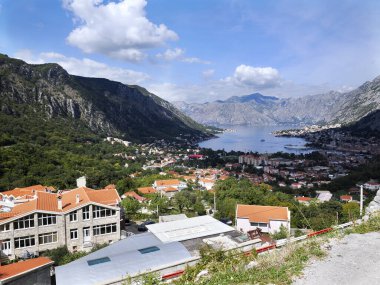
(304,200)
(207,183)
(346,198)
(267,218)
(169,187)
(133,195)
(31,271)
(146,190)
(79,219)
(20,195)
(169,191)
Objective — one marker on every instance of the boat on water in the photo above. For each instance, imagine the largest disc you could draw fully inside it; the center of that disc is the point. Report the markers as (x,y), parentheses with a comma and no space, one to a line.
(296,147)
(262,140)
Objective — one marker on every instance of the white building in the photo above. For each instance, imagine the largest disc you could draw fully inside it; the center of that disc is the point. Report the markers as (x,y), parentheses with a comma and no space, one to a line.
(207,183)
(268,218)
(372,186)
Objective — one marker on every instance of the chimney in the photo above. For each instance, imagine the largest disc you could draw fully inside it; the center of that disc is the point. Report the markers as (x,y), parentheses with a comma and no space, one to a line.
(77,199)
(59,198)
(81,182)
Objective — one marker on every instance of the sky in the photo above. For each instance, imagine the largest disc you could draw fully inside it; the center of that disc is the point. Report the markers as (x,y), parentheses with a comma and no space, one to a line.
(202,50)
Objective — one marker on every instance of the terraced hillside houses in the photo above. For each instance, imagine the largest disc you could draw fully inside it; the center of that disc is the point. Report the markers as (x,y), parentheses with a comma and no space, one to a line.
(78,218)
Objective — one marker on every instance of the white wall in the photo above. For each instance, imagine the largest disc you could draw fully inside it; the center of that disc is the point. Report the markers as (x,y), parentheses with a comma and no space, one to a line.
(243,225)
(275,226)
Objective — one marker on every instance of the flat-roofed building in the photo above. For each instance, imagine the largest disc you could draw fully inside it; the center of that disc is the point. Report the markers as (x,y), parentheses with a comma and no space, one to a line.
(267,218)
(126,258)
(189,228)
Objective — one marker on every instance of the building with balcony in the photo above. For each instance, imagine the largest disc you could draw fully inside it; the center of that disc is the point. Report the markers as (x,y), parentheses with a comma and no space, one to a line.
(79,219)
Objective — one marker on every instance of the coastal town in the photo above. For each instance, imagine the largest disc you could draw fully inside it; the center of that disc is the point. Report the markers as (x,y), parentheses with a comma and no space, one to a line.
(173,207)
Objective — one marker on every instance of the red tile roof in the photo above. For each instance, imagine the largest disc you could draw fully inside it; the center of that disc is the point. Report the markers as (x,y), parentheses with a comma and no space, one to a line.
(22,267)
(262,214)
(167,182)
(170,189)
(27,191)
(346,198)
(49,201)
(147,190)
(303,199)
(135,196)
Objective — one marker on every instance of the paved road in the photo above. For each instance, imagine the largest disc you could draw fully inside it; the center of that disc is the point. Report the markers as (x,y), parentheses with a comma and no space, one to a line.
(353,260)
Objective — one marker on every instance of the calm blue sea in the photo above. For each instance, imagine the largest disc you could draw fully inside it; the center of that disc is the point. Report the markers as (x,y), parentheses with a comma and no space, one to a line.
(254,139)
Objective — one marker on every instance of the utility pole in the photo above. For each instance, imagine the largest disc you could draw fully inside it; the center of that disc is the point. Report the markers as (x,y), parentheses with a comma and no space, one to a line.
(361,200)
(214,202)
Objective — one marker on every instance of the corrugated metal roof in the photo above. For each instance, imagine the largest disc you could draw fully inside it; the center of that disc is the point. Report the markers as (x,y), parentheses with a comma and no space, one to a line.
(171,218)
(188,228)
(125,260)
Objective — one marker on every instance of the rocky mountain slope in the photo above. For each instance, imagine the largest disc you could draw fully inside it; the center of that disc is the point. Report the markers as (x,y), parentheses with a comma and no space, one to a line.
(105,106)
(367,126)
(256,109)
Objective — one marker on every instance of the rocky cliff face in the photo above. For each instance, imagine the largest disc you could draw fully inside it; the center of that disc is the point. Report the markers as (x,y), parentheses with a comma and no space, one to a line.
(368,126)
(332,107)
(105,106)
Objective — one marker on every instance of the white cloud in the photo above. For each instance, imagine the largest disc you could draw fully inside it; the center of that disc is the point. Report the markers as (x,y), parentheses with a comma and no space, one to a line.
(195,60)
(179,54)
(208,73)
(117,29)
(258,77)
(85,67)
(171,54)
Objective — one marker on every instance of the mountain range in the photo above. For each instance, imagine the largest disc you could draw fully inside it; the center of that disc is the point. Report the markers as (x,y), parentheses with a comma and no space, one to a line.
(257,109)
(104,106)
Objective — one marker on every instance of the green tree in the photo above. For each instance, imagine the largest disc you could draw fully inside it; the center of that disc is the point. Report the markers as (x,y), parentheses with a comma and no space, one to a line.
(125,185)
(351,211)
(199,208)
(281,234)
(130,205)
(162,203)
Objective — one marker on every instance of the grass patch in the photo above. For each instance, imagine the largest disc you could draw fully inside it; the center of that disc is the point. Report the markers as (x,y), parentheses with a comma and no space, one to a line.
(278,267)
(372,225)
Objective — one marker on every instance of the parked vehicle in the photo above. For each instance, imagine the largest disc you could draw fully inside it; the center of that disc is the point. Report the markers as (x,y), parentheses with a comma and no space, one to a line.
(226,221)
(142,227)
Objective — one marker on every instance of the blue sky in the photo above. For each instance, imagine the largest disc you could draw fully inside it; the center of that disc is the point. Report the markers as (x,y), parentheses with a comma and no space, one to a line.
(202,50)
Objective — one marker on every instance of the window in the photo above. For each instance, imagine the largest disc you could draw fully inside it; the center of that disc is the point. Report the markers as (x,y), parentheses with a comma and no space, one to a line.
(24,242)
(104,229)
(46,219)
(98,261)
(149,249)
(100,212)
(47,238)
(5,227)
(263,225)
(24,223)
(73,216)
(74,234)
(86,213)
